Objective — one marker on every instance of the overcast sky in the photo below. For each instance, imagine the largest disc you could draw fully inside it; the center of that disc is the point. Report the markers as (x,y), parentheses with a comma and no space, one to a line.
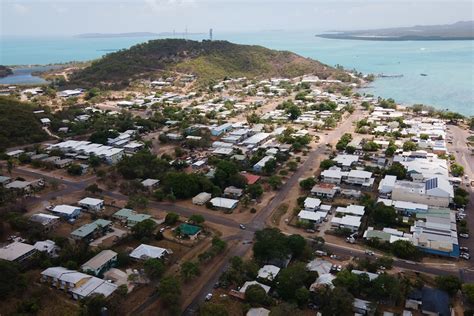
(68,17)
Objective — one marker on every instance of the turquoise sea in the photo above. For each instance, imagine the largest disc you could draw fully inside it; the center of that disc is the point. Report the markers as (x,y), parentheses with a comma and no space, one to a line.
(449,65)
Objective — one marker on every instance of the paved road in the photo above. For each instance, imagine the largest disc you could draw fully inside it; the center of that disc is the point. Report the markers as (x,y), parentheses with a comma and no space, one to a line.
(464,157)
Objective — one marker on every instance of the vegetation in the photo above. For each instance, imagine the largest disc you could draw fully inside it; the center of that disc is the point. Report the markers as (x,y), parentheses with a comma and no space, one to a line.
(209,60)
(19,124)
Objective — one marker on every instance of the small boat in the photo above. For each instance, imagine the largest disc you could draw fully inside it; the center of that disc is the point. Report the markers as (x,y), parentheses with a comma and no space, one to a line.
(424,75)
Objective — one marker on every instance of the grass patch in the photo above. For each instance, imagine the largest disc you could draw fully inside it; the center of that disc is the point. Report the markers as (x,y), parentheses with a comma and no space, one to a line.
(280,211)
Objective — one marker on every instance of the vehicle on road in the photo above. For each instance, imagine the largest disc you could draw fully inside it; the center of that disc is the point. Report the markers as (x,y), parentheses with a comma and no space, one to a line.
(321,253)
(246,242)
(465,256)
(242,226)
(464,235)
(208,297)
(309,230)
(370,253)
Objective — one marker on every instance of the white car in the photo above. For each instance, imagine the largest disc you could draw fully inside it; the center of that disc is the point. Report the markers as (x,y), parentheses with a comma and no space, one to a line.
(370,253)
(464,235)
(208,297)
(464,249)
(465,256)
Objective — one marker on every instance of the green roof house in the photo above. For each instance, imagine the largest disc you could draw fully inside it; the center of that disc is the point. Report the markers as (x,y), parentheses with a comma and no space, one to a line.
(191,231)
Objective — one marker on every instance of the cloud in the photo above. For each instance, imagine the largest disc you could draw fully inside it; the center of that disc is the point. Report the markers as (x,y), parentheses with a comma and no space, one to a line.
(21,8)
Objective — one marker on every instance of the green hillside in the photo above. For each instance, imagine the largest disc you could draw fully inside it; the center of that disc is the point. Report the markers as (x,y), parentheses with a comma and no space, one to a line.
(209,60)
(19,126)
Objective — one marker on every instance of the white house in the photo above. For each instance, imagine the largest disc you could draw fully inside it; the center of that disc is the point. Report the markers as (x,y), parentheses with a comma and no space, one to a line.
(268,272)
(202,198)
(144,252)
(311,204)
(348,221)
(100,263)
(92,204)
(17,252)
(224,203)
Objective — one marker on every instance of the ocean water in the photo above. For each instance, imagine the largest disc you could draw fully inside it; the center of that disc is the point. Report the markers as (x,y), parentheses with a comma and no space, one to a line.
(449,65)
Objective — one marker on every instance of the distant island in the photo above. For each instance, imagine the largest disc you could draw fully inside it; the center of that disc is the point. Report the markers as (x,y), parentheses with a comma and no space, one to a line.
(463,30)
(5,71)
(132,34)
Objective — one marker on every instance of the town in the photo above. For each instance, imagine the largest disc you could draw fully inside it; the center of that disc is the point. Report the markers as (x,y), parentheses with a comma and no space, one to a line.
(300,195)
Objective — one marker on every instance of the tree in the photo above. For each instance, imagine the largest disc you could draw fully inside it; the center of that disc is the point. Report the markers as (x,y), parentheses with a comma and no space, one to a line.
(196,219)
(74,170)
(270,166)
(213,309)
(290,280)
(398,170)
(275,182)
(302,296)
(457,170)
(297,244)
(384,215)
(405,250)
(410,146)
(11,280)
(255,190)
(93,188)
(189,270)
(270,244)
(93,305)
(326,164)
(307,184)
(449,283)
(294,112)
(256,295)
(468,291)
(144,228)
(154,268)
(171,218)
(170,293)
(338,302)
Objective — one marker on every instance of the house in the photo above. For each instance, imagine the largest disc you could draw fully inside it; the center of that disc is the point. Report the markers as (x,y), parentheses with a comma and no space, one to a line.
(358,210)
(360,177)
(268,272)
(17,252)
(92,230)
(346,161)
(258,167)
(144,252)
(78,284)
(387,184)
(150,184)
(49,222)
(323,280)
(436,192)
(249,283)
(47,246)
(5,180)
(320,266)
(202,198)
(66,211)
(332,175)
(221,129)
(100,263)
(224,203)
(362,307)
(311,204)
(347,221)
(190,231)
(250,178)
(15,153)
(256,139)
(62,163)
(94,205)
(325,190)
(429,301)
(311,216)
(233,192)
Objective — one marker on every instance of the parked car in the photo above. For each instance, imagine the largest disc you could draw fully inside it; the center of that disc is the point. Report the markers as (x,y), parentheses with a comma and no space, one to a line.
(465,256)
(311,231)
(242,226)
(369,252)
(464,249)
(464,235)
(208,297)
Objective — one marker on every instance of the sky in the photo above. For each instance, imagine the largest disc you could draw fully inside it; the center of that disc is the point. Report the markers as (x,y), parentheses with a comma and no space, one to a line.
(70,17)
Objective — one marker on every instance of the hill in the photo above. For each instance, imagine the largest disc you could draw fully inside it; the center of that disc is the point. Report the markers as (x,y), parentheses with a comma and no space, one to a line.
(463,30)
(209,60)
(19,124)
(5,71)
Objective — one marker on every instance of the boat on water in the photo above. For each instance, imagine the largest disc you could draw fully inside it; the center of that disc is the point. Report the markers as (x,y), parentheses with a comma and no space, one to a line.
(424,75)
(389,76)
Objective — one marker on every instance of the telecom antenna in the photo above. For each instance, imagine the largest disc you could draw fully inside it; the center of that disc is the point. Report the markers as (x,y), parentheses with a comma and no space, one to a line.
(186,32)
(210,34)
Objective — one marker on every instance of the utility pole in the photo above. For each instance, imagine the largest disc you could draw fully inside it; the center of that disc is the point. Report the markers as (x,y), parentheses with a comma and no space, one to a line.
(210,34)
